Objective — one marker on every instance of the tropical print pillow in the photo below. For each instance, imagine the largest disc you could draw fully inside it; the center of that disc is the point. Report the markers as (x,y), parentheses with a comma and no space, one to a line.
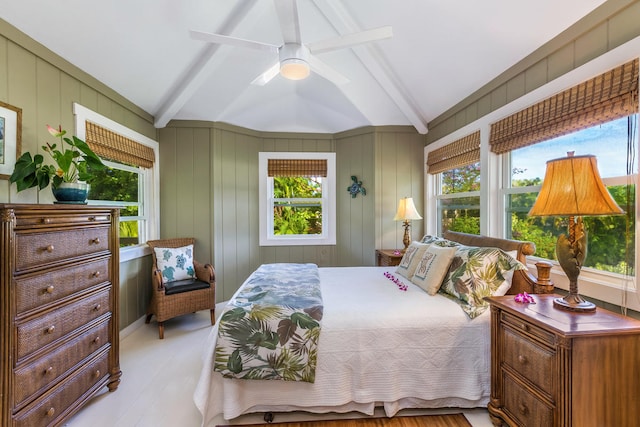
(478,272)
(175,263)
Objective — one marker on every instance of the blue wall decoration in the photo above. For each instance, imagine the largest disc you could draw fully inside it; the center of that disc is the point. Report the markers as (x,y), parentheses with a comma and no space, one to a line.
(356,187)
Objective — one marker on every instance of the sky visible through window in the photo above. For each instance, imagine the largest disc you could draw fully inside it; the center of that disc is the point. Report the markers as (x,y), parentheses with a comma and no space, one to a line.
(607,142)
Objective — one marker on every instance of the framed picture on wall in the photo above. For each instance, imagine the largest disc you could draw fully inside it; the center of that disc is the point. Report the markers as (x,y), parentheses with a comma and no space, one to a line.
(10,138)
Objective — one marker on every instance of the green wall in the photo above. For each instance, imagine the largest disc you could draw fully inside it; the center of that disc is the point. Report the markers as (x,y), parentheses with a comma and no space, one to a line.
(209,189)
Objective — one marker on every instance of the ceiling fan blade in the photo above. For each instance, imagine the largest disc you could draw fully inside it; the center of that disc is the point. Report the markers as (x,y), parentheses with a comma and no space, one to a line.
(287,11)
(326,71)
(266,77)
(232,41)
(349,40)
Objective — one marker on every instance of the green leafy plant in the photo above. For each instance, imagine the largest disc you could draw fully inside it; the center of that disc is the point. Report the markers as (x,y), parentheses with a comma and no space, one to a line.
(74,161)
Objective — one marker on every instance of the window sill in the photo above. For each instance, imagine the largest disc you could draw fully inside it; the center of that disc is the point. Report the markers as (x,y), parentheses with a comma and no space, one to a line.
(133,252)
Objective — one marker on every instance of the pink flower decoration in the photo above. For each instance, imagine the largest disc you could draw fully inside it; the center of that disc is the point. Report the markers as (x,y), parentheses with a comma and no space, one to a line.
(524,298)
(395,280)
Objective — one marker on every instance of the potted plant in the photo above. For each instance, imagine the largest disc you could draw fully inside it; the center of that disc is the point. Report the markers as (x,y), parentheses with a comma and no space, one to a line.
(69,177)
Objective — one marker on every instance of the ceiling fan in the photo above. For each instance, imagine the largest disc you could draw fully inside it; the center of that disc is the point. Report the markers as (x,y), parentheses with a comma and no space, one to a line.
(296,59)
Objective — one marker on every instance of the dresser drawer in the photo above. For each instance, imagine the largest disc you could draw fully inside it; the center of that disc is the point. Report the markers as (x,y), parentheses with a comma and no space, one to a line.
(50,218)
(40,374)
(43,289)
(529,360)
(526,328)
(525,407)
(36,250)
(46,410)
(41,331)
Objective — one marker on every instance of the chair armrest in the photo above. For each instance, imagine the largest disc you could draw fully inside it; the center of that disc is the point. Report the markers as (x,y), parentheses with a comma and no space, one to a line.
(156,279)
(204,272)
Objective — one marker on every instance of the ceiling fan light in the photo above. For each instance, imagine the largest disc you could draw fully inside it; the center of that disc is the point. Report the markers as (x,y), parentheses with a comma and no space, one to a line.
(294,69)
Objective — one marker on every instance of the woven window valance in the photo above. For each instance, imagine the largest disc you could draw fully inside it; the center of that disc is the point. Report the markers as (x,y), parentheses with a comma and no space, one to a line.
(297,167)
(607,97)
(461,152)
(113,146)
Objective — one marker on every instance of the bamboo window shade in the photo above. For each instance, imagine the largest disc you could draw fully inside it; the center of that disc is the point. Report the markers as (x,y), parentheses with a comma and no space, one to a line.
(113,146)
(461,152)
(609,96)
(297,167)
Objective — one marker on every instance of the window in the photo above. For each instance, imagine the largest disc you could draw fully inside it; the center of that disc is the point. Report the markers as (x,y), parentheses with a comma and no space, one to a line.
(456,167)
(131,182)
(610,239)
(297,203)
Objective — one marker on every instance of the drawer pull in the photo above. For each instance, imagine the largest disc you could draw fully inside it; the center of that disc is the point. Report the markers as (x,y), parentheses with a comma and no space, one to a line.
(524,327)
(96,240)
(522,359)
(96,374)
(50,329)
(96,274)
(49,248)
(97,307)
(46,220)
(49,370)
(96,340)
(49,289)
(523,409)
(50,412)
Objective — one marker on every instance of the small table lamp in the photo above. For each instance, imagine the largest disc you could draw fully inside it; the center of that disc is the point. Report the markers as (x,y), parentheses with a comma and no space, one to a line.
(572,187)
(406,212)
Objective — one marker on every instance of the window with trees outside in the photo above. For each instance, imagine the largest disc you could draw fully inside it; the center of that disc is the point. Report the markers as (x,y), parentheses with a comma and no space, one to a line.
(297,203)
(610,238)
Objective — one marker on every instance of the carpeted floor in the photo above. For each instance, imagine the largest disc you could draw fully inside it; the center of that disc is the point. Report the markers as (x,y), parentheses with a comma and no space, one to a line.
(452,420)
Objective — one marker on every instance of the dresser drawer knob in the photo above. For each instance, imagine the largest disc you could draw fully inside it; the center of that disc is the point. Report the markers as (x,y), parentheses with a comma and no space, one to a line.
(96,274)
(96,374)
(49,370)
(95,241)
(49,248)
(522,359)
(46,220)
(97,307)
(96,340)
(92,218)
(524,327)
(50,329)
(523,409)
(50,412)
(49,289)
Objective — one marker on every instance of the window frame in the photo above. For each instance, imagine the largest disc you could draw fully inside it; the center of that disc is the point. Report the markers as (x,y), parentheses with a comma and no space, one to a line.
(265,190)
(149,185)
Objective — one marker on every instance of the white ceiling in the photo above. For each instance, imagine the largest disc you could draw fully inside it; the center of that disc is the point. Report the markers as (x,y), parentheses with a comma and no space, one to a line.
(441,51)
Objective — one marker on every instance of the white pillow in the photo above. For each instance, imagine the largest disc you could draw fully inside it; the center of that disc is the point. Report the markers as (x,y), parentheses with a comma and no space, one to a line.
(410,259)
(432,266)
(175,263)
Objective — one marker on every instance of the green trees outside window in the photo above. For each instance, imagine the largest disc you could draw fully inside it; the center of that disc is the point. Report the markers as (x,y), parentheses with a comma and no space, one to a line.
(297,205)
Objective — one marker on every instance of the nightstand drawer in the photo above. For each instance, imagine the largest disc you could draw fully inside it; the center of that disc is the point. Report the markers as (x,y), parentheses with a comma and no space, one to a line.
(524,407)
(528,329)
(529,360)
(388,257)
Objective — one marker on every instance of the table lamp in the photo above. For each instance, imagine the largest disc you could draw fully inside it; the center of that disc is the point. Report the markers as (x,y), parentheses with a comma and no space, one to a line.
(572,187)
(406,212)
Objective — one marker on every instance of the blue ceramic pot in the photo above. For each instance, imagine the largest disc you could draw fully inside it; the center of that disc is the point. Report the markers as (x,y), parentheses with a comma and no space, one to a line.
(71,192)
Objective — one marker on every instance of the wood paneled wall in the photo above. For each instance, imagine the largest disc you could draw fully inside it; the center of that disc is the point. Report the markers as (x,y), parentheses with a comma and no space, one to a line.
(209,189)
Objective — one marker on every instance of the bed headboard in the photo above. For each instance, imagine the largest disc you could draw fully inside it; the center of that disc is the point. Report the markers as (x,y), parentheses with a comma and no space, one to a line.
(522,281)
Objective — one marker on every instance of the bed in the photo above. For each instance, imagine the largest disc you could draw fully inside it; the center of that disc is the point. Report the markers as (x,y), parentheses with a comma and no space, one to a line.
(385,342)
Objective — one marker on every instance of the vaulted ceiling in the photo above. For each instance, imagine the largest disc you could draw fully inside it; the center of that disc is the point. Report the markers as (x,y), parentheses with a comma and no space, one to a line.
(440,52)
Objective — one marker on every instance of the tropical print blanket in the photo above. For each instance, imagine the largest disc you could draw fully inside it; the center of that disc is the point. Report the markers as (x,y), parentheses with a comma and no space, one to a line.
(270,329)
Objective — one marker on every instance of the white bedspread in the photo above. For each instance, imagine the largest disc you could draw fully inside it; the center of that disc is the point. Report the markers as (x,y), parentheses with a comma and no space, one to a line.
(379,346)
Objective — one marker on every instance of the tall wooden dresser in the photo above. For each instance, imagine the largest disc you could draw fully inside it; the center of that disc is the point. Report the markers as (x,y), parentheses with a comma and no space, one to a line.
(58,310)
(557,368)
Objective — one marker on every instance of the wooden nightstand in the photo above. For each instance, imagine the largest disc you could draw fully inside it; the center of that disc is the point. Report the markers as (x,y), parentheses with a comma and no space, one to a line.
(551,367)
(388,257)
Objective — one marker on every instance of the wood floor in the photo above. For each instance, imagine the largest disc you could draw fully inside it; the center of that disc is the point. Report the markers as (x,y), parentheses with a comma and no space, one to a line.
(453,420)
(159,377)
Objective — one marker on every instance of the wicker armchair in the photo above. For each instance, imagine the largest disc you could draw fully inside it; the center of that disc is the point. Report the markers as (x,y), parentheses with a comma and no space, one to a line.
(180,297)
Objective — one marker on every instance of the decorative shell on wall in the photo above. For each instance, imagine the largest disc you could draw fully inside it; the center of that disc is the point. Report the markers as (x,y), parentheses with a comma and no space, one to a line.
(356,187)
